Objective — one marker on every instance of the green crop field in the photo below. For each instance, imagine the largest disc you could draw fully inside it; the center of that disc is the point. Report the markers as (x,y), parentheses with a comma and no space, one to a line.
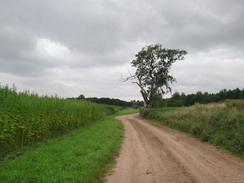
(48,139)
(26,118)
(221,124)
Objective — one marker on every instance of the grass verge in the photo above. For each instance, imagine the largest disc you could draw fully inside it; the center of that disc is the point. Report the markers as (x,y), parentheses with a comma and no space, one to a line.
(221,124)
(85,155)
(126,111)
(82,156)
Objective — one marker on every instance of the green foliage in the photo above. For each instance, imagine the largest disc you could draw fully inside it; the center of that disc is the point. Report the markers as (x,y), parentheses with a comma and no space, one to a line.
(26,118)
(221,124)
(152,65)
(108,101)
(181,99)
(84,155)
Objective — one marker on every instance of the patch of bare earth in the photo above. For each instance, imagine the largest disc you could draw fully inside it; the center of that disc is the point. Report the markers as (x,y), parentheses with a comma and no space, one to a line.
(153,153)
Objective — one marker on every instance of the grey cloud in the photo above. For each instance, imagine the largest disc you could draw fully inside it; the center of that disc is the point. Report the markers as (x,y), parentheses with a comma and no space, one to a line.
(99,34)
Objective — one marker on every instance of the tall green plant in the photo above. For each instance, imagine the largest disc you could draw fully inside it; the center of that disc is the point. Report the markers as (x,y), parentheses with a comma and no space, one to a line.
(26,118)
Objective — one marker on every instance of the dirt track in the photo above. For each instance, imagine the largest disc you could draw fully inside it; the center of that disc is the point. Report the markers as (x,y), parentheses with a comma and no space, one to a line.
(152,153)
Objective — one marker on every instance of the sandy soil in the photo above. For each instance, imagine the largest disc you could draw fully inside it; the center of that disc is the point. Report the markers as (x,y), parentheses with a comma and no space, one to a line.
(153,153)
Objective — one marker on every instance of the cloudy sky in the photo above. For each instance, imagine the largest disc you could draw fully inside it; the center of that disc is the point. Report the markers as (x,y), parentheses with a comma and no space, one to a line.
(73,47)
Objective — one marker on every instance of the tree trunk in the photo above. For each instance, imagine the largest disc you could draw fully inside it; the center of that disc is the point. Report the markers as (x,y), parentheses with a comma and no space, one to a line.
(146,101)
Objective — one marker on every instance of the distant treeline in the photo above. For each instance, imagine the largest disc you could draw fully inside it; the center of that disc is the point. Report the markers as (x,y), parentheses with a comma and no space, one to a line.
(108,101)
(177,100)
(112,101)
(181,99)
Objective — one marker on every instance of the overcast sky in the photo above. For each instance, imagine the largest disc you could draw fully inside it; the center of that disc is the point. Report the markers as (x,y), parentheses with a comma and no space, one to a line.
(73,47)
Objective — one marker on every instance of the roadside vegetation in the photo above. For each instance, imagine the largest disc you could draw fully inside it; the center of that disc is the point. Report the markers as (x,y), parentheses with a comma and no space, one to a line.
(82,156)
(126,111)
(48,139)
(85,155)
(26,118)
(221,124)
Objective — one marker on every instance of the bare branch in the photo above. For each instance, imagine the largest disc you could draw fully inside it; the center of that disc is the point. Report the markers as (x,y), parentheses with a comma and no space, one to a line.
(130,73)
(131,77)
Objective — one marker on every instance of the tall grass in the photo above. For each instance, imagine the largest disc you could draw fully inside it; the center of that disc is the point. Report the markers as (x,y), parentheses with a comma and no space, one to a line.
(221,124)
(26,118)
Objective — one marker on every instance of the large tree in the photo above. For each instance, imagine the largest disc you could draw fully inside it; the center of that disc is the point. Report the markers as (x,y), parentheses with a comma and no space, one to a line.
(152,65)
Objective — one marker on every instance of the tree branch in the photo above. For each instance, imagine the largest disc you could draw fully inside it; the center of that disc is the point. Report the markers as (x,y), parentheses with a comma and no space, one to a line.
(131,77)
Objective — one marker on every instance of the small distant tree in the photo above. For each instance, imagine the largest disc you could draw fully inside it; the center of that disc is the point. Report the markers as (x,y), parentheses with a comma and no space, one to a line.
(152,65)
(81,97)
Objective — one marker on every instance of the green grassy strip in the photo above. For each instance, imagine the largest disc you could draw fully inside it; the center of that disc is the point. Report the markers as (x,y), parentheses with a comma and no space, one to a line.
(79,157)
(86,155)
(126,111)
(219,124)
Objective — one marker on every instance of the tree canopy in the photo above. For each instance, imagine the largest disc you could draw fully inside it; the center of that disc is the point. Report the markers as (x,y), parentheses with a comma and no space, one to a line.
(152,65)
